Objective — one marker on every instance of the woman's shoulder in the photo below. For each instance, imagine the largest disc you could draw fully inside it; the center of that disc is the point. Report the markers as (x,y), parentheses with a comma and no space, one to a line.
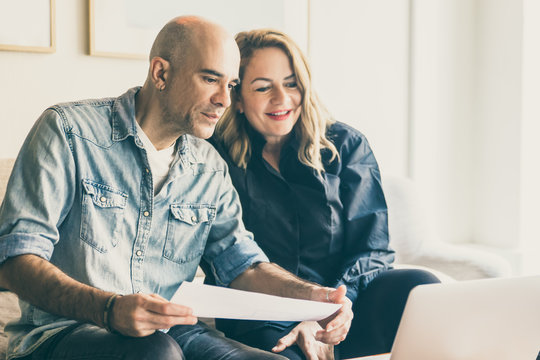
(344,135)
(351,145)
(223,152)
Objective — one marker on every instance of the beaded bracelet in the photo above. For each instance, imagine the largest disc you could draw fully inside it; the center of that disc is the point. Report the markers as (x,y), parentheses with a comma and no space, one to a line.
(107,313)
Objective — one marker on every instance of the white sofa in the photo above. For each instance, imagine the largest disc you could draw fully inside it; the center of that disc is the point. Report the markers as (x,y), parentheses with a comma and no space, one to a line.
(414,246)
(417,244)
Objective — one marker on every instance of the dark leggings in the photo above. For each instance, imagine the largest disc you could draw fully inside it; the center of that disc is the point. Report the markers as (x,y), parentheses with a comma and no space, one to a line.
(377,312)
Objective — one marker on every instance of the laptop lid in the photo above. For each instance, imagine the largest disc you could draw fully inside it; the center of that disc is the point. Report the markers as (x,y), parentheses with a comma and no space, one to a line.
(492,319)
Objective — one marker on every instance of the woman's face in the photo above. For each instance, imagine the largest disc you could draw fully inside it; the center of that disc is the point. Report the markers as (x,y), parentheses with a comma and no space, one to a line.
(270,97)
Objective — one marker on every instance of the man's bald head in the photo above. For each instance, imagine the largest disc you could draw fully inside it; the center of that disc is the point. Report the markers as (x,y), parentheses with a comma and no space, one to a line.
(184,35)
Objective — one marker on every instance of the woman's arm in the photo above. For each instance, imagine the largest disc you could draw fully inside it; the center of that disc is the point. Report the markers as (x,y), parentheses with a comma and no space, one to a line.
(365,215)
(271,279)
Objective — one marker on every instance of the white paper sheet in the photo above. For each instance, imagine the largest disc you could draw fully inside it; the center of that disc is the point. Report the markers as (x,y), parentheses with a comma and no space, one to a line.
(219,302)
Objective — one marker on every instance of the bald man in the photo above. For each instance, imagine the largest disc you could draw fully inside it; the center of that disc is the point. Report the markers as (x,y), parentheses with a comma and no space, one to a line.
(113,203)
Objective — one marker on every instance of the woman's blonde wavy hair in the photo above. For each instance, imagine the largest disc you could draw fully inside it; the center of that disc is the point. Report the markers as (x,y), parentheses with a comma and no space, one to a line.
(314,118)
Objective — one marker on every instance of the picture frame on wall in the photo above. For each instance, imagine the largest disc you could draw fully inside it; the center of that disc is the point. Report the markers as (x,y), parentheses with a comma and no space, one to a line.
(127,28)
(28,25)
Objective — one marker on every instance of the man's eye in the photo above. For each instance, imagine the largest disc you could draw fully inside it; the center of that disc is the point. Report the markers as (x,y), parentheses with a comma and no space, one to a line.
(210,80)
(263,89)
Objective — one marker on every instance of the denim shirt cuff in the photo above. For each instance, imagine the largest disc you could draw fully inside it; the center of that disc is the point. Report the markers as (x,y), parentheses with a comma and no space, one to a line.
(19,244)
(235,260)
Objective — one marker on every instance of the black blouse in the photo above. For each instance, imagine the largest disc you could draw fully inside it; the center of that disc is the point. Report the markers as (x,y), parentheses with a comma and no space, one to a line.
(329,228)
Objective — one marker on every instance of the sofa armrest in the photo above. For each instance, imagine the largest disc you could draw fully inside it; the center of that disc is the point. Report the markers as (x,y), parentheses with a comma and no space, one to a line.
(443,277)
(462,262)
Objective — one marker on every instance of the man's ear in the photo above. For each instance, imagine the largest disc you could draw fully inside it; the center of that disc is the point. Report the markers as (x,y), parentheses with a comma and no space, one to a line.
(159,72)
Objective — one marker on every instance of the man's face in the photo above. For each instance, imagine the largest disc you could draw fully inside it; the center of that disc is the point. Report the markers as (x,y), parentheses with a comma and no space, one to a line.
(200,87)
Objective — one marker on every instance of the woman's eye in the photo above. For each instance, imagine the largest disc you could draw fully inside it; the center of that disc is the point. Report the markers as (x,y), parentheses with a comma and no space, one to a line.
(263,89)
(291,85)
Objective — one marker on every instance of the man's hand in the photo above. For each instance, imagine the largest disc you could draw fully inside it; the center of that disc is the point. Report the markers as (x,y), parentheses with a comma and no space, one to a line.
(141,315)
(334,328)
(44,285)
(304,336)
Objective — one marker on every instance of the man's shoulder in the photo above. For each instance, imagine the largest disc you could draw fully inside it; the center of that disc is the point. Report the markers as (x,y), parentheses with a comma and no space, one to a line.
(205,153)
(90,119)
(83,112)
(83,106)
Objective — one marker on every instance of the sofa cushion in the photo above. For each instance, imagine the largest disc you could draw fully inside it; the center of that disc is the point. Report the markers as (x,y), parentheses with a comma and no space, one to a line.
(408,224)
(9,310)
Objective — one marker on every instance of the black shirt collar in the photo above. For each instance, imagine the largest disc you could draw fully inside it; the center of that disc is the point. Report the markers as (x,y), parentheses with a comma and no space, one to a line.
(258,141)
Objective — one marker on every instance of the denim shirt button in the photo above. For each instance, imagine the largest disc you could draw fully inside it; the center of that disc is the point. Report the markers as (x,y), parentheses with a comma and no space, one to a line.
(146,213)
(139,253)
(103,199)
(194,218)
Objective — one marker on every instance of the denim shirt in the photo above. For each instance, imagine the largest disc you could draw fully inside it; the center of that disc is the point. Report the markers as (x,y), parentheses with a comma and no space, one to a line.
(329,228)
(81,196)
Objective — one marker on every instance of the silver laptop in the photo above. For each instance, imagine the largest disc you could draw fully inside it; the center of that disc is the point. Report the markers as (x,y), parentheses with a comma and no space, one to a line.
(493,319)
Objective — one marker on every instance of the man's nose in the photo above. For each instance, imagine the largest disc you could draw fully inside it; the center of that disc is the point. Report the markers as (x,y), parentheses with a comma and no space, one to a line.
(222,97)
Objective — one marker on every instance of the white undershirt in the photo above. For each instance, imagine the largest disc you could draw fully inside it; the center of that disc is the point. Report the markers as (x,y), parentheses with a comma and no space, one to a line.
(160,161)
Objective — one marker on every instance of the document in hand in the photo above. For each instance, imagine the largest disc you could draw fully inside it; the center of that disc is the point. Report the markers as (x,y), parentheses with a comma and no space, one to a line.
(219,302)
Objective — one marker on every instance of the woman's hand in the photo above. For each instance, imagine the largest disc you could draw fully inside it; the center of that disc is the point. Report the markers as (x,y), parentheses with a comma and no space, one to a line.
(141,314)
(335,327)
(304,335)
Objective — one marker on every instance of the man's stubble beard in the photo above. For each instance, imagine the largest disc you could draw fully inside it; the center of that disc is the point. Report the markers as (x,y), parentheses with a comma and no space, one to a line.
(182,125)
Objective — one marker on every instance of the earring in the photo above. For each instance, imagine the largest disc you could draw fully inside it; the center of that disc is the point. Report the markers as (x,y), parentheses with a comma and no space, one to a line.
(162,87)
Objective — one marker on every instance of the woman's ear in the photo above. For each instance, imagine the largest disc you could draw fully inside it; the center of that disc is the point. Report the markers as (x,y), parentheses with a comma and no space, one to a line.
(159,71)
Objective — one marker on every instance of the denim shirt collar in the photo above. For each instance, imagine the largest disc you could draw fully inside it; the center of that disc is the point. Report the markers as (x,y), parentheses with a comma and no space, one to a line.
(123,117)
(123,126)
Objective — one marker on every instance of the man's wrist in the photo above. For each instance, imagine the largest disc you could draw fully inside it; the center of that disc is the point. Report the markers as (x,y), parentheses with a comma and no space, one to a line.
(108,313)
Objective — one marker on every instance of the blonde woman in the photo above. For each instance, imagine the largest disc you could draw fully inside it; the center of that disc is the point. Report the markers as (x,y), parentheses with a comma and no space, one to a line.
(311,193)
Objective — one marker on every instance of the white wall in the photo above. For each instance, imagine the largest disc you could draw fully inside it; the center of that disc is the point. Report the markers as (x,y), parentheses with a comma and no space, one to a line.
(442,99)
(359,52)
(31,81)
(530,146)
(498,123)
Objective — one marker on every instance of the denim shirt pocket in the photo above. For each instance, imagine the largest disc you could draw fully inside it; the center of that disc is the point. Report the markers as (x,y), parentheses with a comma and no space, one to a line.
(102,215)
(187,231)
